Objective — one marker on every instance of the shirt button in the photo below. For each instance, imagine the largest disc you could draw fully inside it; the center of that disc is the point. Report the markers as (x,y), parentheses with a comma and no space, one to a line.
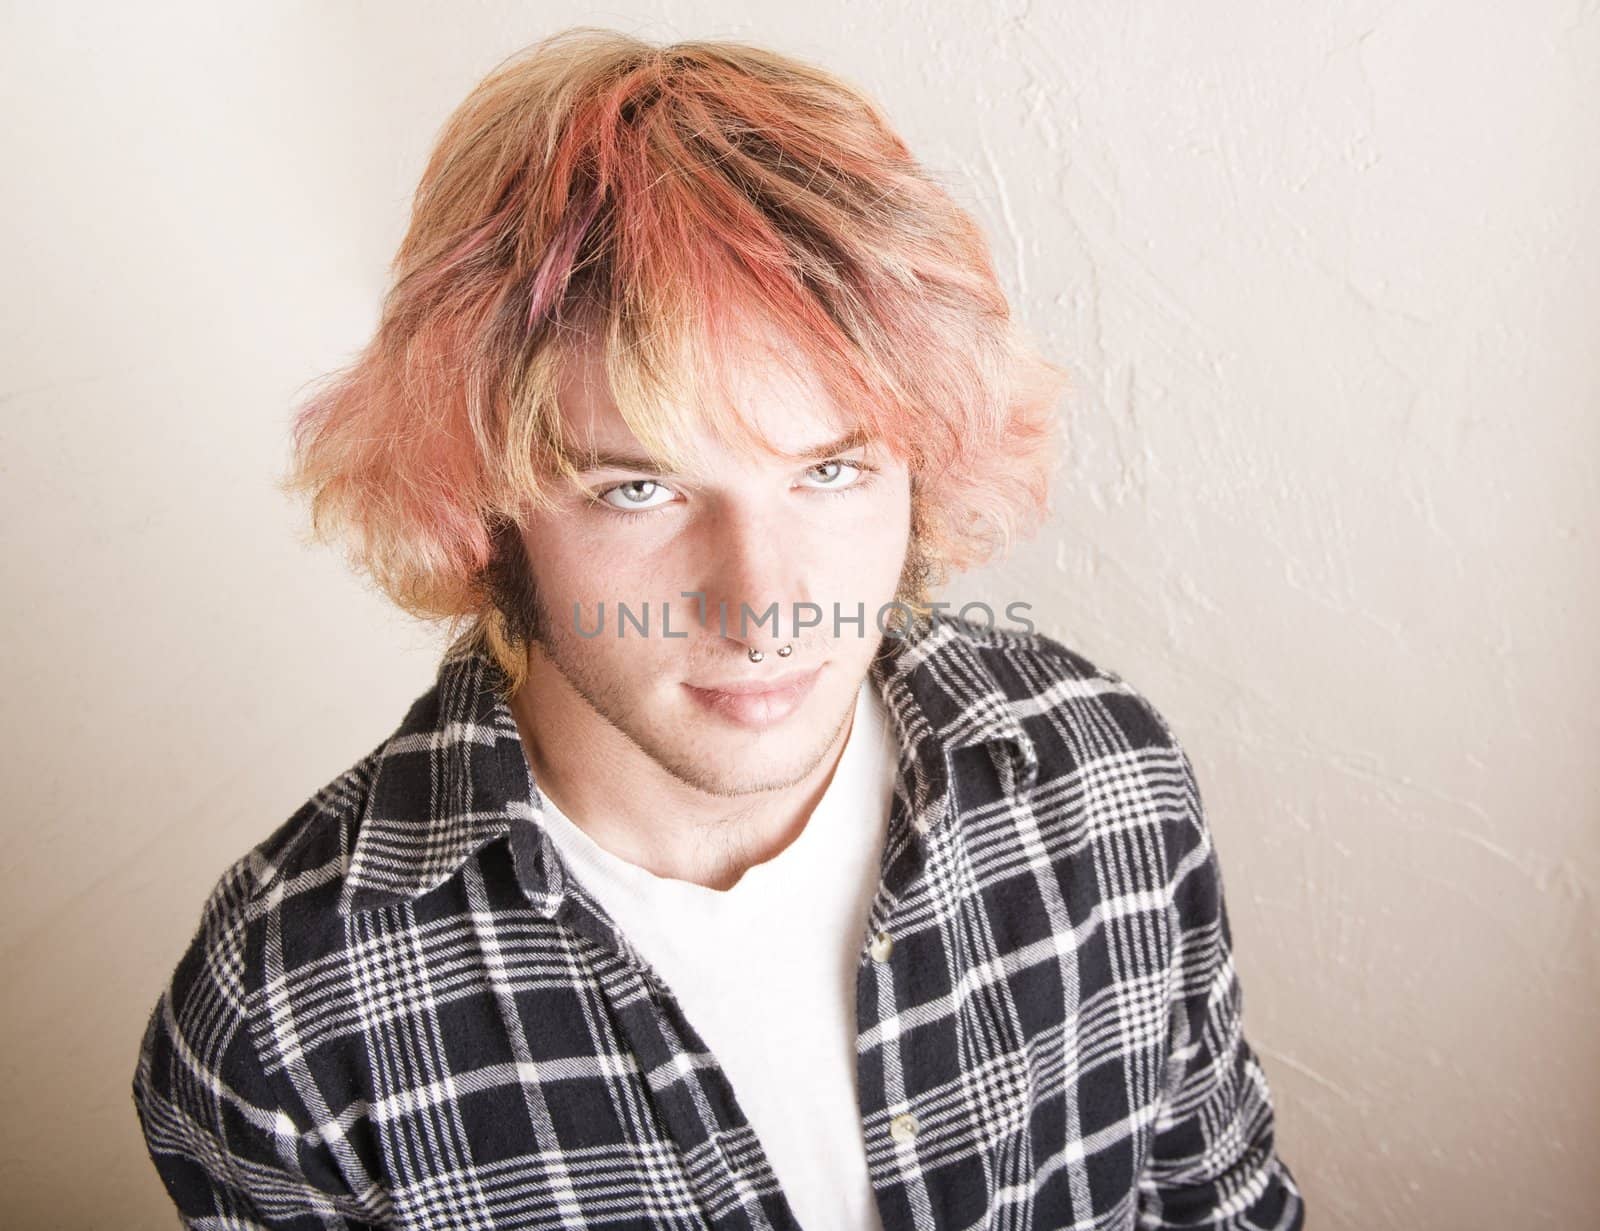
(882,947)
(903,1127)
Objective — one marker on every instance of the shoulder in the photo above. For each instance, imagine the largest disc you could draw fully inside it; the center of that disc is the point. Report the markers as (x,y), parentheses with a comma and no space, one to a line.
(221,1114)
(1106,768)
(298,867)
(1052,686)
(201,1033)
(1096,752)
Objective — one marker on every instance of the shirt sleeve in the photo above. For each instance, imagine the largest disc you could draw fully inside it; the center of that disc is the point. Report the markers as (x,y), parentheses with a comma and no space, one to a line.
(1213,1161)
(227,1153)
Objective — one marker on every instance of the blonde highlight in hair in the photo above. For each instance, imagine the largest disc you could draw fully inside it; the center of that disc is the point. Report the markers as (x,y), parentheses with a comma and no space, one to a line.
(670,203)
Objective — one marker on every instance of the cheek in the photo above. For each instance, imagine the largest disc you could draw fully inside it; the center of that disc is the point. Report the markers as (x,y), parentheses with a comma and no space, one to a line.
(574,567)
(885,534)
(870,560)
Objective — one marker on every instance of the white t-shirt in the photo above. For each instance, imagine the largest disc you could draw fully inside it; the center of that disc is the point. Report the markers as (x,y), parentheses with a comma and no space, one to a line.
(766,971)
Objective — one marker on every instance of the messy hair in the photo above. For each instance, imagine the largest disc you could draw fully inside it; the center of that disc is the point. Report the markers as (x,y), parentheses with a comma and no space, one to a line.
(656,199)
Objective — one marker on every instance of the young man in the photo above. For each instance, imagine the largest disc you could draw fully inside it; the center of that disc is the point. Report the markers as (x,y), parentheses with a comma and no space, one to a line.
(719,880)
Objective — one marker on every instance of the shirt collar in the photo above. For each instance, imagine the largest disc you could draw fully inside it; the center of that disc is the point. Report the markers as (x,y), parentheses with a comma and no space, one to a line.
(453,777)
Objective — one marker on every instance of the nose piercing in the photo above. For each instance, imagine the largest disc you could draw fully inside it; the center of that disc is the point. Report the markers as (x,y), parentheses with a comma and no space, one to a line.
(783,652)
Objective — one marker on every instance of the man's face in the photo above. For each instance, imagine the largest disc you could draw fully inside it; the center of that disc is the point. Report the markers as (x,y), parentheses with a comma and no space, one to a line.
(757,532)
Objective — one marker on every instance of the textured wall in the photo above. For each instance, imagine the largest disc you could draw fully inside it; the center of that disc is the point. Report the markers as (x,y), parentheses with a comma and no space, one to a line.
(1328,275)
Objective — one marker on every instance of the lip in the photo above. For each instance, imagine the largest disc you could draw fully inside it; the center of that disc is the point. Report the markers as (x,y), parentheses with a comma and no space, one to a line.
(753,687)
(756,703)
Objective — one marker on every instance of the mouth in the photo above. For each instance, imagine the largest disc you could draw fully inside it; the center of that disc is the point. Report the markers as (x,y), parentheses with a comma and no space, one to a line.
(756,704)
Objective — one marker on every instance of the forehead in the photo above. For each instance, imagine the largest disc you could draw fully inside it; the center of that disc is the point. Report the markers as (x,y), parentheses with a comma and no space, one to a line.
(768,398)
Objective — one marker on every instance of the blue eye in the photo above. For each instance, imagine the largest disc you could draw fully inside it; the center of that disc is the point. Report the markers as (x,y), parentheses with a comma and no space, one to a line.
(854,472)
(629,504)
(630,499)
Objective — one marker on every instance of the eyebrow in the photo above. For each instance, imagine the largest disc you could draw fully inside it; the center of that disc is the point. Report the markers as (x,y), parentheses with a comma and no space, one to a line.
(603,459)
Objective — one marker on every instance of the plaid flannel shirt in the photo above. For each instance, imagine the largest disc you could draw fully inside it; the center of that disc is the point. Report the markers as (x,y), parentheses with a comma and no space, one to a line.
(401,1010)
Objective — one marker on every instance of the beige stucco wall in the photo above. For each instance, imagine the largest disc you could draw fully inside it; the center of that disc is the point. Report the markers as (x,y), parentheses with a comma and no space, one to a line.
(1329,275)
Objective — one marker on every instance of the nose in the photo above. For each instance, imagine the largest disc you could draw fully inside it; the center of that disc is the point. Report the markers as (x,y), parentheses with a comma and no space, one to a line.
(754,582)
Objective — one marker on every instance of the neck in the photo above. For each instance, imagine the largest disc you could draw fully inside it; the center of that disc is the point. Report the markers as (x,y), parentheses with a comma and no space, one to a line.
(635,808)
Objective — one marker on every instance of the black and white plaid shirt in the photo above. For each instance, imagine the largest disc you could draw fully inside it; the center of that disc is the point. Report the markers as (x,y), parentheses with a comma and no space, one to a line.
(401,1010)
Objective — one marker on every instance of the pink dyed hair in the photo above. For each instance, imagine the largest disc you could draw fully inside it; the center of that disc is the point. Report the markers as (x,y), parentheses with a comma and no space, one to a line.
(658,198)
